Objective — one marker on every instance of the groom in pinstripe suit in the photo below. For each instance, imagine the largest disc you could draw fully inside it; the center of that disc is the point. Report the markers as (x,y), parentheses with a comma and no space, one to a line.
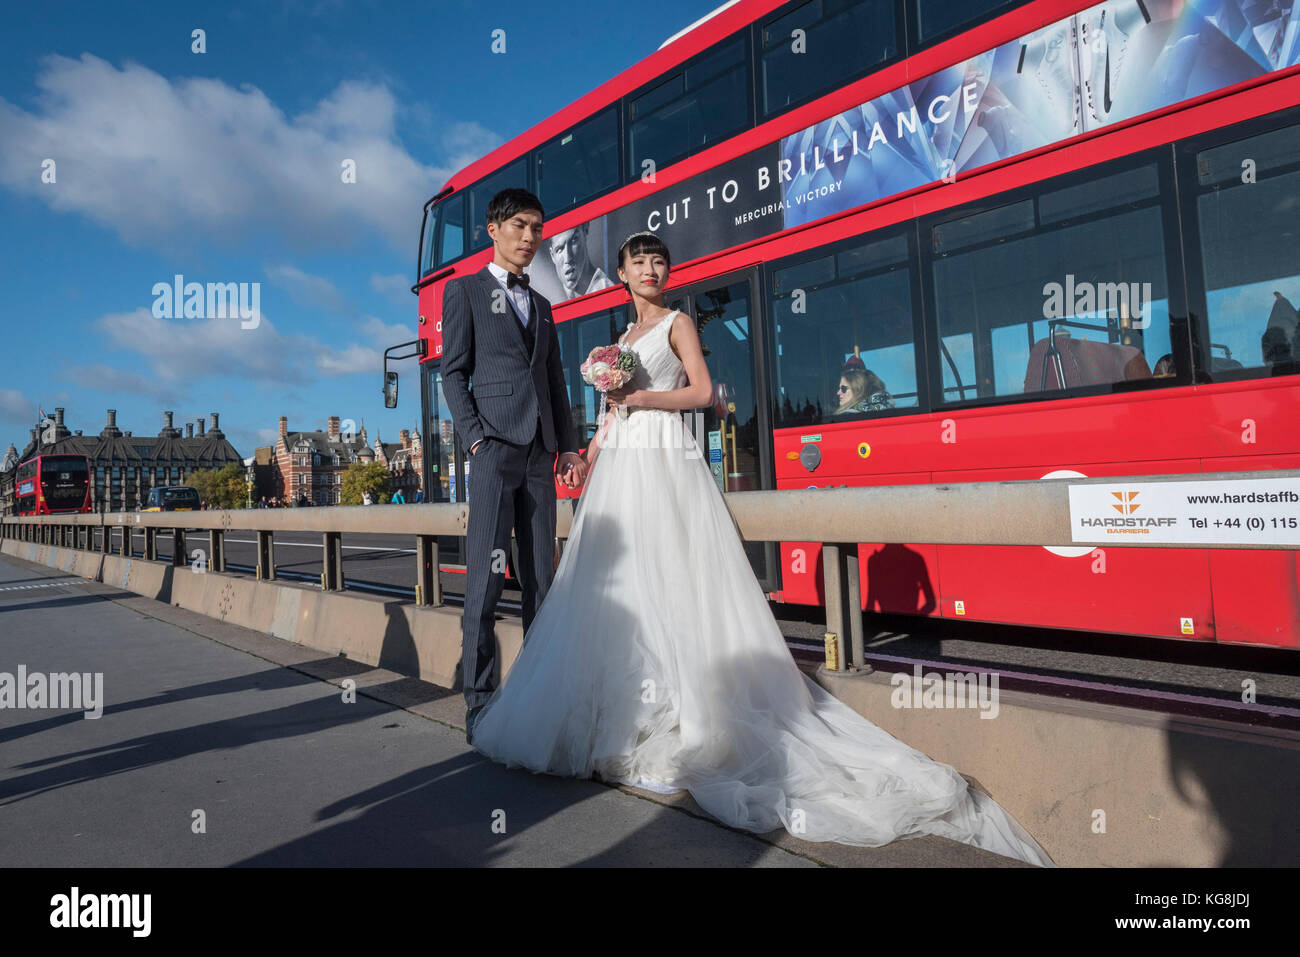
(503,382)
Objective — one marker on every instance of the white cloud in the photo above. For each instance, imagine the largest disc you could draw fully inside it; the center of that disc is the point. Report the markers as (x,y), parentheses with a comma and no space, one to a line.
(308,290)
(99,377)
(384,335)
(158,159)
(396,287)
(178,351)
(350,361)
(17,408)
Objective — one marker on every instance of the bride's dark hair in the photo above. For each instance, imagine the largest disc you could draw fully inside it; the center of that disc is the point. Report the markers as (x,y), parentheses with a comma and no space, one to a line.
(642,243)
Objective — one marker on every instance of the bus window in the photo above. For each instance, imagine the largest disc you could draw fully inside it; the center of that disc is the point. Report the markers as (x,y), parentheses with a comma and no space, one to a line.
(1249,242)
(706,101)
(480,194)
(577,338)
(579,164)
(840,41)
(1066,290)
(451,229)
(844,334)
(934,19)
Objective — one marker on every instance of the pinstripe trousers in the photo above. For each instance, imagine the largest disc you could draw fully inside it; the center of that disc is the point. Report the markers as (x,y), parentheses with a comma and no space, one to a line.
(512,487)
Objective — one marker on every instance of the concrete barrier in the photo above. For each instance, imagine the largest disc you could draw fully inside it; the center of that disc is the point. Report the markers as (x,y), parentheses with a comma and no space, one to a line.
(1100,785)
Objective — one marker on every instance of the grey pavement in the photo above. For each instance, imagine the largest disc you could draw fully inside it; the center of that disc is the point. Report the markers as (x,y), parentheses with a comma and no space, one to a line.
(252,735)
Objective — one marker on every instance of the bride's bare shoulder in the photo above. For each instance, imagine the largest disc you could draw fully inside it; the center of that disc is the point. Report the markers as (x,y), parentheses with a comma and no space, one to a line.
(682,327)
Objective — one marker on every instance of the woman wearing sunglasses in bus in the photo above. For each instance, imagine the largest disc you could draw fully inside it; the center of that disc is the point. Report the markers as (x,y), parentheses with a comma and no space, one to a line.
(655,660)
(861,390)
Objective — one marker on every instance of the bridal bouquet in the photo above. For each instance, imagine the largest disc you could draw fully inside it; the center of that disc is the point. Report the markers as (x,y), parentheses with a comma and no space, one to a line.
(608,367)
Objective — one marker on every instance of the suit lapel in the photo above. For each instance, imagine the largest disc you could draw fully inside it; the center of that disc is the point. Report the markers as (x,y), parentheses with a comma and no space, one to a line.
(535,314)
(490,289)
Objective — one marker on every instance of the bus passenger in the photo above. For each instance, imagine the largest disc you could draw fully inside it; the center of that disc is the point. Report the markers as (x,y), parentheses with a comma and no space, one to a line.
(861,390)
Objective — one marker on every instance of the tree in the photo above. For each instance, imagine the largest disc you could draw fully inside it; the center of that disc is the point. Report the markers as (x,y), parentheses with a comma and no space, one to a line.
(225,487)
(360,478)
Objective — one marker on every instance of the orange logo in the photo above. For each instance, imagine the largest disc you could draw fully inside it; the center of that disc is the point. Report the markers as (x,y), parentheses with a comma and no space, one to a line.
(1126,505)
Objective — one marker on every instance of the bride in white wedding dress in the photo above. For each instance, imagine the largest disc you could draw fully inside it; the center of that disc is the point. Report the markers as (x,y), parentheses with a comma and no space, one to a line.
(655,660)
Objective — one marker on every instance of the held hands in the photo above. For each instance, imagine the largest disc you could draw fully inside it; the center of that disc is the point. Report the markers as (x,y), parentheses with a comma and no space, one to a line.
(571,469)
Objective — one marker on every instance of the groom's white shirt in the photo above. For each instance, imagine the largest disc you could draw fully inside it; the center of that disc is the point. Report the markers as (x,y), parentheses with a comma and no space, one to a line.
(518,294)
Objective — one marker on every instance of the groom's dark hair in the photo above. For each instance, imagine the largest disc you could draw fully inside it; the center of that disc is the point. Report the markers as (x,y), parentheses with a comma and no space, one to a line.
(508,202)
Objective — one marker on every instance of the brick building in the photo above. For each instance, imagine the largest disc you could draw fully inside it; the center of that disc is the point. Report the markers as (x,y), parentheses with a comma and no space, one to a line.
(311,464)
(405,461)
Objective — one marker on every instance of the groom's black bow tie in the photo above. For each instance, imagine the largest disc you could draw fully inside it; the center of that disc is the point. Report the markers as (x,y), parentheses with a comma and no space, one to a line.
(513,280)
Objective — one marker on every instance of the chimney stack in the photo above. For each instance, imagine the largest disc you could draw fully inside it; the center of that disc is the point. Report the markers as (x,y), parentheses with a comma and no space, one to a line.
(405,436)
(334,428)
(284,425)
(189,430)
(167,419)
(201,421)
(216,423)
(126,434)
(110,430)
(58,417)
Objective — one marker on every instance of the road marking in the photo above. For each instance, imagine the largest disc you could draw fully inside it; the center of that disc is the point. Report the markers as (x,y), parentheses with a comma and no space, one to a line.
(22,587)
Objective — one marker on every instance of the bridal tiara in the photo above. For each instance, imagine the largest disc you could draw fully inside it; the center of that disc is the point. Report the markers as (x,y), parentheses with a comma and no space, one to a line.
(636,235)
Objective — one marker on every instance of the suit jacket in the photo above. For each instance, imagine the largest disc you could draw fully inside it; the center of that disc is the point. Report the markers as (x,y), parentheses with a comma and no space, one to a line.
(493,387)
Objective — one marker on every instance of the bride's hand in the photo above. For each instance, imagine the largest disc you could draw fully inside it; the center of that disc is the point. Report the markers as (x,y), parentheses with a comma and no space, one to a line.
(619,397)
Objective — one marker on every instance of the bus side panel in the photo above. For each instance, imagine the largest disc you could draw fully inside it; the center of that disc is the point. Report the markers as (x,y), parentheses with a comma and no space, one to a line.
(894,578)
(1144,591)
(1256,592)
(1139,591)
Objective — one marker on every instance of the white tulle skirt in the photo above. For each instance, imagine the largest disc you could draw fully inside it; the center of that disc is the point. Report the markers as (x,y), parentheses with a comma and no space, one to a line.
(655,661)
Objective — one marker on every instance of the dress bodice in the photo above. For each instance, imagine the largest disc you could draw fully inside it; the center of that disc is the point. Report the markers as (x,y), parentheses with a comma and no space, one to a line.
(658,368)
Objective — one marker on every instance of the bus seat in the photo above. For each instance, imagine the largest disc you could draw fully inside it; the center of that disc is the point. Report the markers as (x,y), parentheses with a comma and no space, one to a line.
(1084,363)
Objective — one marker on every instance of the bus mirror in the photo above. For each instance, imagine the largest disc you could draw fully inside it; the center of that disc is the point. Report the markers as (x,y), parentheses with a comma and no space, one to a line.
(390,390)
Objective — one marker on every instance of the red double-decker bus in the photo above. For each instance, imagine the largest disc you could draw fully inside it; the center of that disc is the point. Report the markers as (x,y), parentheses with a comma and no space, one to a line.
(52,485)
(947,241)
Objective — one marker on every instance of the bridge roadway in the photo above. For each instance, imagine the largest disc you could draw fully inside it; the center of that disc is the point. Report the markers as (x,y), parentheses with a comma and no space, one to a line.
(252,731)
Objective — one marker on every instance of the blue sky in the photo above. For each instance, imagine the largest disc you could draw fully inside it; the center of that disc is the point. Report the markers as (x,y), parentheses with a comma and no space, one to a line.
(225,166)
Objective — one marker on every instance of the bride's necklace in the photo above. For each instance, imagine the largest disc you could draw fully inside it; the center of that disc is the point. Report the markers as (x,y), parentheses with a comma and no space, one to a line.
(638,326)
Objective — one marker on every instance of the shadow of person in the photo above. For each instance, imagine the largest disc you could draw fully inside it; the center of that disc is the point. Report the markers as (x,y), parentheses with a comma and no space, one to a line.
(1256,825)
(898,581)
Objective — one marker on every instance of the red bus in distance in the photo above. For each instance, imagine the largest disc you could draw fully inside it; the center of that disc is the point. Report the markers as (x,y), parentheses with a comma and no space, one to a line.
(52,485)
(947,242)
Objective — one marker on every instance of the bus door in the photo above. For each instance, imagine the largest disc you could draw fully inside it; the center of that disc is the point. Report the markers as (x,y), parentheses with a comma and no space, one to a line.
(734,432)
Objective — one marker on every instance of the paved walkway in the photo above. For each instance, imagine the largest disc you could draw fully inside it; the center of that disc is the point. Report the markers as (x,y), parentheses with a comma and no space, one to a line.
(252,736)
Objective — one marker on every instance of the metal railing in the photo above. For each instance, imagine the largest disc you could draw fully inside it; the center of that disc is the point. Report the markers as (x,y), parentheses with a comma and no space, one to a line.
(1025,513)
